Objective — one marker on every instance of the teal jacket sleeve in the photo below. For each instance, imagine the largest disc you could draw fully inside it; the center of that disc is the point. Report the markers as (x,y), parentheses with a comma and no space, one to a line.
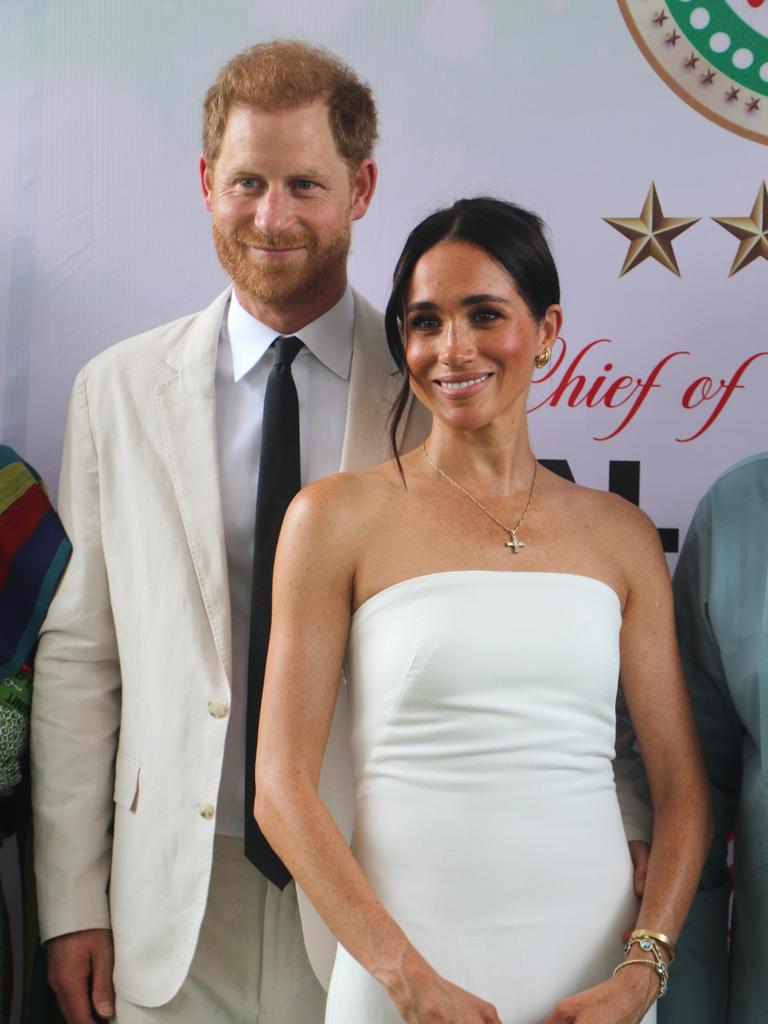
(699,979)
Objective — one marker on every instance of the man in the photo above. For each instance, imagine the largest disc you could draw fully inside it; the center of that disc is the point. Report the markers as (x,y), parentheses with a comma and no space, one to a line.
(721,602)
(144,662)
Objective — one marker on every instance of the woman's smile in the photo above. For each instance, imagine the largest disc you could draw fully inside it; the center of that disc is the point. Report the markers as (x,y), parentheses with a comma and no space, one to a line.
(455,386)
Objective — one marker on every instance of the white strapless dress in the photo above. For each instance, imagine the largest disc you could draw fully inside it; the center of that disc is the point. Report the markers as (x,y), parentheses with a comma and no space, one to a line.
(483,710)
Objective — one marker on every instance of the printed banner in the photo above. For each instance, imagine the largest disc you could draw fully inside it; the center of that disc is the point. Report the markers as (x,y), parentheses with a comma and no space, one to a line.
(637,129)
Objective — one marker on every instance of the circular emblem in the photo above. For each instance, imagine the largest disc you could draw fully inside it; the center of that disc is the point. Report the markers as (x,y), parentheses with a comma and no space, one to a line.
(713,53)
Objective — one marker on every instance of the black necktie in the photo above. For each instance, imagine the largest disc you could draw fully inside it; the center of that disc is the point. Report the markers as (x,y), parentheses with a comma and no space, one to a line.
(279,480)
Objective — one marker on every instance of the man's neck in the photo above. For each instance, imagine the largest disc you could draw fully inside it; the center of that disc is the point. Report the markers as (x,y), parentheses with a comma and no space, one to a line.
(301,313)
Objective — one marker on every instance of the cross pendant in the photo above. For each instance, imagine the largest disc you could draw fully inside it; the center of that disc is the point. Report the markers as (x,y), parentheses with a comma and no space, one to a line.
(514,543)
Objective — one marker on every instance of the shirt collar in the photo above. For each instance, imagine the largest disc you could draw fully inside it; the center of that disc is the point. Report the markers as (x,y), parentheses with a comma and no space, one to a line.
(329,338)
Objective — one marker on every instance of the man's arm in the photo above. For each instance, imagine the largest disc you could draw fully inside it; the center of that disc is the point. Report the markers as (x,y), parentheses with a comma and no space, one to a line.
(75,721)
(699,991)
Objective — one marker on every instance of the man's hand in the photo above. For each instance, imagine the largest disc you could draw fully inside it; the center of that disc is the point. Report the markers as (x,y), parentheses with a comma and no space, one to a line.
(80,973)
(639,852)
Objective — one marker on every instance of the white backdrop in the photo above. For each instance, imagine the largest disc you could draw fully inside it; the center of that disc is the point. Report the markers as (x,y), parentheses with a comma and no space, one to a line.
(548,102)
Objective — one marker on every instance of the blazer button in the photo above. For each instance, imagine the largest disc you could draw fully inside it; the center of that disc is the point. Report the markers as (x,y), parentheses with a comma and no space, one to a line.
(217,710)
(205,809)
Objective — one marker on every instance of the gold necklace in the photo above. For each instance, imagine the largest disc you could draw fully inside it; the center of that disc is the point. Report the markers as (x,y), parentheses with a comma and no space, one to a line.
(513,543)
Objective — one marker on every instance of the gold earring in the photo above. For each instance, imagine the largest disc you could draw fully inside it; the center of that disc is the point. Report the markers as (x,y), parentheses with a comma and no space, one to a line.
(541,359)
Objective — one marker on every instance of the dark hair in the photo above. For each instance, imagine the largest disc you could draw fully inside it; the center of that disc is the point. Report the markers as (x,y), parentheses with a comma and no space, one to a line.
(509,234)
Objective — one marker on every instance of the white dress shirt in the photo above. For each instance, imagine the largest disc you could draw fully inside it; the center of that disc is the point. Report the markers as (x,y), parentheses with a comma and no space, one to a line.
(321,372)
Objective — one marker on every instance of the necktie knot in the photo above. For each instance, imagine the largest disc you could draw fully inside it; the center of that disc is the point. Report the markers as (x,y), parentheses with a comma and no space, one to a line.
(286,350)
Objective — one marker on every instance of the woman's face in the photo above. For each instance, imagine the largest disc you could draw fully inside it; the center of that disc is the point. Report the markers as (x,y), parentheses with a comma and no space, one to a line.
(470,340)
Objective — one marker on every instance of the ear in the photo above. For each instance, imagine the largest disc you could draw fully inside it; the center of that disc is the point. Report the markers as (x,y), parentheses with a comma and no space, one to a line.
(206,183)
(363,187)
(550,326)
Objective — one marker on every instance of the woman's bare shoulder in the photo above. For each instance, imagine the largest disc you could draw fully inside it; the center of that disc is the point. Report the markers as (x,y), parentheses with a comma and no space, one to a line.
(619,516)
(618,528)
(604,509)
(343,506)
(351,488)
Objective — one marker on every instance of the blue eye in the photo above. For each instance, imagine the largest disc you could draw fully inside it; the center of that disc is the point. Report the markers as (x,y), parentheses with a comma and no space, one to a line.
(303,184)
(247,182)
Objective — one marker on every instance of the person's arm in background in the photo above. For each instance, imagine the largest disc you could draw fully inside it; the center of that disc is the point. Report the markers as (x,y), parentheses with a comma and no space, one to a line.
(633,794)
(34,551)
(699,994)
(75,722)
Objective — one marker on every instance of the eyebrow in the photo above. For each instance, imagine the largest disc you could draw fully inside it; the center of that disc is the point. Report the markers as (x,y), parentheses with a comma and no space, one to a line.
(309,173)
(469,300)
(245,172)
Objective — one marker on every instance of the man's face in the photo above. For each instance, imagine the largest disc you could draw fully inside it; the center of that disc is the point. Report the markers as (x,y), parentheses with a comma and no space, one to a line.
(283,201)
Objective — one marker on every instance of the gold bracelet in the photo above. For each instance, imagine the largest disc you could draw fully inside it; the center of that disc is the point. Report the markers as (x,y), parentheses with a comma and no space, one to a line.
(647,945)
(642,933)
(659,967)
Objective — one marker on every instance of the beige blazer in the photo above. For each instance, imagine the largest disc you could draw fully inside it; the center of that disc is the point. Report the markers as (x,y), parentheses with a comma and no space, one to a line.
(135,656)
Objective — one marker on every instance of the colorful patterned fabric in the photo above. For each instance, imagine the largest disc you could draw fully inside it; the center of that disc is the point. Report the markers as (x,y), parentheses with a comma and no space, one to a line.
(34,551)
(15,700)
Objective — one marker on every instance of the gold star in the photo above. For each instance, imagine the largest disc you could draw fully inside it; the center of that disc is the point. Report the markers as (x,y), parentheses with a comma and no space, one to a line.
(732,94)
(660,17)
(708,78)
(672,38)
(751,231)
(753,105)
(692,61)
(651,234)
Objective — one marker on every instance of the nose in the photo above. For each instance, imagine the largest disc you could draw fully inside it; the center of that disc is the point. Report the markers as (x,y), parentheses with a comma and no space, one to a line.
(457,344)
(274,211)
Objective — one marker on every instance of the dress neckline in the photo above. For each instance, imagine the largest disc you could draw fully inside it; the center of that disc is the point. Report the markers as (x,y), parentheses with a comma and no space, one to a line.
(539,574)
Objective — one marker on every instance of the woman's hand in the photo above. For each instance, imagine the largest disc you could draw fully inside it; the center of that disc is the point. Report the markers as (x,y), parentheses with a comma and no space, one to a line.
(448,1004)
(623,999)
(423,997)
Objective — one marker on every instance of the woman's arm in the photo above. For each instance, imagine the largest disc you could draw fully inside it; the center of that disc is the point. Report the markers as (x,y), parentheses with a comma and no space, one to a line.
(659,705)
(324,529)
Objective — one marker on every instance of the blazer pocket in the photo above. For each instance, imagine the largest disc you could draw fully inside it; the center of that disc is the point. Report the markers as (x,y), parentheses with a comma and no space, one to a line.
(127,772)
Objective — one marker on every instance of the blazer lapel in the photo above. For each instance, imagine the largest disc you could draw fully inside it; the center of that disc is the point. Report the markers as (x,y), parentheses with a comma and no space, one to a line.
(372,390)
(186,404)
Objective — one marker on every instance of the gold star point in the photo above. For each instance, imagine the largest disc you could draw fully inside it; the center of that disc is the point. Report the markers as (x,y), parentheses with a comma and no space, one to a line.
(691,61)
(672,38)
(660,17)
(708,77)
(752,232)
(753,105)
(732,94)
(650,235)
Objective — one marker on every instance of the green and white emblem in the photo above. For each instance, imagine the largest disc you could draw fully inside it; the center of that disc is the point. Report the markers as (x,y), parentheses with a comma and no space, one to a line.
(713,53)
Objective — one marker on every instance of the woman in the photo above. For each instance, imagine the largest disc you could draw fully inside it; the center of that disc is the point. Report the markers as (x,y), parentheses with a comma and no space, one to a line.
(482,603)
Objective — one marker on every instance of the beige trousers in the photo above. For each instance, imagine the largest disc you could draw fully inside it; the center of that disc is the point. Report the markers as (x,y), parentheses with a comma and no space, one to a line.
(250,966)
